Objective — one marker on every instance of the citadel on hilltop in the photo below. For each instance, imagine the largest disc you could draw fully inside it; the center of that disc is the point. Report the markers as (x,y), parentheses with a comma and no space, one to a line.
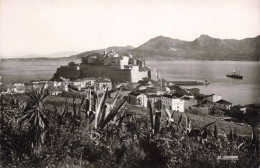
(107,64)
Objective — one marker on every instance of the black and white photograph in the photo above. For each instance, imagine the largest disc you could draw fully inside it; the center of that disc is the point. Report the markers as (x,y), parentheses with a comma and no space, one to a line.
(129,83)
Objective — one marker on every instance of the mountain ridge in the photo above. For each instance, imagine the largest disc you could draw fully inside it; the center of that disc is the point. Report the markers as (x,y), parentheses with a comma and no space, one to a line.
(204,47)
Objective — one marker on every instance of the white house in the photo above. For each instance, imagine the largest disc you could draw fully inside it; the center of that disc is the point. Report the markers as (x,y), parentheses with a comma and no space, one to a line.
(173,102)
(18,88)
(89,81)
(62,82)
(103,84)
(18,84)
(65,81)
(178,104)
(223,105)
(79,83)
(57,83)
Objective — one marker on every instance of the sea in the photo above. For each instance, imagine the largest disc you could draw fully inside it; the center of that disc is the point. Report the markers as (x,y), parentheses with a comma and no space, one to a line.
(237,91)
(241,92)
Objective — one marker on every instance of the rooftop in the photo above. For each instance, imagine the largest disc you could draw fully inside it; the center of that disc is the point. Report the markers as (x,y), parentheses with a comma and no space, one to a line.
(173,96)
(153,96)
(104,81)
(186,98)
(223,102)
(88,78)
(135,93)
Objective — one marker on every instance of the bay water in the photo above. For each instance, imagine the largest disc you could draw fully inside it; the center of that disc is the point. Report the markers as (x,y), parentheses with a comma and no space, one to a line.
(237,91)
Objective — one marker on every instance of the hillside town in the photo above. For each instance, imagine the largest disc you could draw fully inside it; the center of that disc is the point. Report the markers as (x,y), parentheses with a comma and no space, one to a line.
(145,85)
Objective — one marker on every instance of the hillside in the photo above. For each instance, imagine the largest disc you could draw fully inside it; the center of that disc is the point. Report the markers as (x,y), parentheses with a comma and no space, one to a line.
(37,57)
(204,47)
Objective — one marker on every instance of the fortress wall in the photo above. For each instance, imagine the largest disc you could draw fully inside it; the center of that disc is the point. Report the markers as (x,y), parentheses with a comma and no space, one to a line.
(114,73)
(69,72)
(109,71)
(120,75)
(93,70)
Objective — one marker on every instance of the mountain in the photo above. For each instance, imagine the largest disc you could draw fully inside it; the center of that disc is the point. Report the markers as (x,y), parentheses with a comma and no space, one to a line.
(54,56)
(204,47)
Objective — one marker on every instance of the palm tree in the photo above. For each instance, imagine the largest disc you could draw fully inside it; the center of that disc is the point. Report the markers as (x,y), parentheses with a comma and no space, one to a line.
(35,116)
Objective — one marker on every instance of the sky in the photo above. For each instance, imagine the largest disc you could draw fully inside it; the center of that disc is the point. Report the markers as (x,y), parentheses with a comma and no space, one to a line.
(50,26)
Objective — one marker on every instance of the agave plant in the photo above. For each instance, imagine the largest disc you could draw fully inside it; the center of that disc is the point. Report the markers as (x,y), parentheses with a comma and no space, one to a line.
(35,116)
(170,120)
(188,124)
(154,119)
(102,112)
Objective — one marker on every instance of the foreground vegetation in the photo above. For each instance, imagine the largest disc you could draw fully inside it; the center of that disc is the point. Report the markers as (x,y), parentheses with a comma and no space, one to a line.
(93,131)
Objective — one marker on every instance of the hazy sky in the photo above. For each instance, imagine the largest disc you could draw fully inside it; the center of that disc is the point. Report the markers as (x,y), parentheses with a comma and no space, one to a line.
(50,26)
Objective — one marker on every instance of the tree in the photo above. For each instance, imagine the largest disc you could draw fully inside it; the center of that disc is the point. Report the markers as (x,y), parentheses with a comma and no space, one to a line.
(35,116)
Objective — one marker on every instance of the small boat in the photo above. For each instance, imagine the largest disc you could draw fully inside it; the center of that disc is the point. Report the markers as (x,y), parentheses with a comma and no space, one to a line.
(235,75)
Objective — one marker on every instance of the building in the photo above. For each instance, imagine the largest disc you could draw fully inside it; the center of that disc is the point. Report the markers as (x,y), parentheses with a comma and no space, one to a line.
(40,83)
(102,84)
(18,84)
(63,88)
(123,61)
(140,63)
(57,83)
(83,83)
(61,82)
(89,81)
(214,98)
(55,91)
(79,84)
(223,105)
(18,88)
(189,101)
(155,100)
(173,102)
(138,98)
(178,102)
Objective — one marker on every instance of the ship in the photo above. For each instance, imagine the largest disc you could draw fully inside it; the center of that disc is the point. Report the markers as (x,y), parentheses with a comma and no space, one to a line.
(235,75)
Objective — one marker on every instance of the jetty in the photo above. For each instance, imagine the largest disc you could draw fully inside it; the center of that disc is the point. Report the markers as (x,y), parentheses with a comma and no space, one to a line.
(206,82)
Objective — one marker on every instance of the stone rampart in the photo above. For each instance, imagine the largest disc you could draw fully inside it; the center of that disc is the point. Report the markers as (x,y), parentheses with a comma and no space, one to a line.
(112,72)
(69,72)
